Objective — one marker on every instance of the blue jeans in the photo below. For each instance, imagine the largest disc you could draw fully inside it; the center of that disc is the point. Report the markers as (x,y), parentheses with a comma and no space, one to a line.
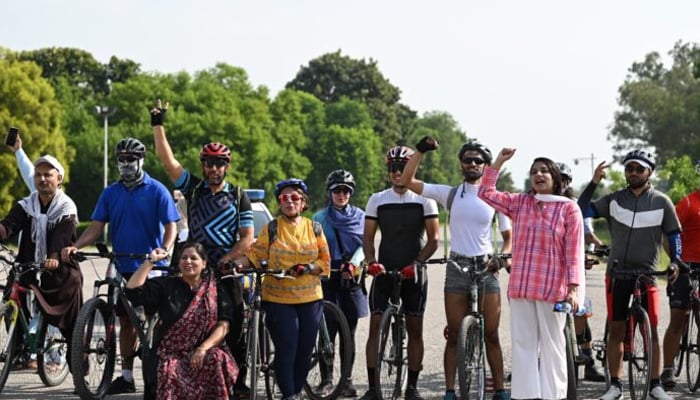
(293,329)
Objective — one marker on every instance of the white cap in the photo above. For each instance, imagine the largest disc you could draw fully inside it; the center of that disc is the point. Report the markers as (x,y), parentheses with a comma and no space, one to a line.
(638,161)
(52,161)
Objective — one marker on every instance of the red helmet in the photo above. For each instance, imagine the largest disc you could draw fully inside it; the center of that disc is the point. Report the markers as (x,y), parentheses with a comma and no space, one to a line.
(215,150)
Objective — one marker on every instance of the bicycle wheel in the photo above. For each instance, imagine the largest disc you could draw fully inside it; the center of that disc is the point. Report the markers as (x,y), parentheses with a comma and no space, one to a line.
(641,359)
(149,358)
(253,353)
(330,364)
(470,359)
(692,360)
(93,350)
(267,360)
(52,355)
(571,367)
(8,340)
(680,354)
(391,369)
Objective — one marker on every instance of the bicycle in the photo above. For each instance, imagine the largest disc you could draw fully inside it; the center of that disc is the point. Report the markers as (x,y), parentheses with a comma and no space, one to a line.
(637,342)
(471,345)
(94,345)
(689,350)
(21,333)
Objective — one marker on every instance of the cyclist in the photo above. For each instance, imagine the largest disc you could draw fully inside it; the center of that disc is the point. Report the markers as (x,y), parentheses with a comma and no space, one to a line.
(220,217)
(548,263)
(471,242)
(639,217)
(687,209)
(48,218)
(293,307)
(142,217)
(584,337)
(343,224)
(403,217)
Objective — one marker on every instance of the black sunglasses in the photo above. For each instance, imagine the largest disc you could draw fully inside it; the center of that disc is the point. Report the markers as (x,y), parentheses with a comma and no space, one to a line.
(127,159)
(397,166)
(214,162)
(474,160)
(340,190)
(635,168)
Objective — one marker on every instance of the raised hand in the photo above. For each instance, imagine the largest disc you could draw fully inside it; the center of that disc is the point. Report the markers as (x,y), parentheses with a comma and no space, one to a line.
(427,144)
(158,113)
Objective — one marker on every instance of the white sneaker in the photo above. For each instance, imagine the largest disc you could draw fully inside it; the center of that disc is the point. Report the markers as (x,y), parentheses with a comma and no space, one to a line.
(614,393)
(658,393)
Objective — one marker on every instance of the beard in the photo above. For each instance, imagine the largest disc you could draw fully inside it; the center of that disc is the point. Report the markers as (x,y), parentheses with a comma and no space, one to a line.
(472,175)
(637,183)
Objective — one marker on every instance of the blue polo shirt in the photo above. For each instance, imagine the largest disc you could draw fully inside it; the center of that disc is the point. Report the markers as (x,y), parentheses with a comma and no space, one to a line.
(136,218)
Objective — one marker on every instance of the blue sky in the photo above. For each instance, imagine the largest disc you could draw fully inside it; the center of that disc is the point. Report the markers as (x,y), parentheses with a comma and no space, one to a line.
(541,76)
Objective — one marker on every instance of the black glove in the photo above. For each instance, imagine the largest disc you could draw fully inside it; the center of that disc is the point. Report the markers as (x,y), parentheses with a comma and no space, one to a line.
(158,116)
(427,144)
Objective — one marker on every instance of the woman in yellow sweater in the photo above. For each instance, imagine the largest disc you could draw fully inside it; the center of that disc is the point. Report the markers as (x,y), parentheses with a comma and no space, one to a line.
(293,307)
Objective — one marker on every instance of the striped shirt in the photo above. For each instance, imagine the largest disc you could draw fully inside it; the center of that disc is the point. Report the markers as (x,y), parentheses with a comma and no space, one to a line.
(548,246)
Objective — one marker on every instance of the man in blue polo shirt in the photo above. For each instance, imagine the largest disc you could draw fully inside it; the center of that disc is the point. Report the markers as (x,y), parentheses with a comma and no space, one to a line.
(142,217)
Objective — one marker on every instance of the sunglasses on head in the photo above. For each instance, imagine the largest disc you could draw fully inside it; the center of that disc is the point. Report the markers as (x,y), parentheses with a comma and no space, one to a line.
(127,158)
(340,190)
(473,160)
(214,162)
(283,198)
(397,167)
(635,168)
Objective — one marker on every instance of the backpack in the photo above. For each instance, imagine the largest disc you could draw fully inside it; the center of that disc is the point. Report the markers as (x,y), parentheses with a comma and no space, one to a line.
(272,230)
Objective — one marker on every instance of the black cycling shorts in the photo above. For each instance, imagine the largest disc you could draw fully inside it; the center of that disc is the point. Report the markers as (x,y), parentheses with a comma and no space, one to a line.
(413,295)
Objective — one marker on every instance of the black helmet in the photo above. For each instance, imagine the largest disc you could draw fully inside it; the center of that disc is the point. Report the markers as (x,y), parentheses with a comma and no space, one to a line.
(565,171)
(130,146)
(340,177)
(642,157)
(476,146)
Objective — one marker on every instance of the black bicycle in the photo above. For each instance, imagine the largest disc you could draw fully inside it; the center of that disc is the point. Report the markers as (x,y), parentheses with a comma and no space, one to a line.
(689,350)
(23,334)
(94,345)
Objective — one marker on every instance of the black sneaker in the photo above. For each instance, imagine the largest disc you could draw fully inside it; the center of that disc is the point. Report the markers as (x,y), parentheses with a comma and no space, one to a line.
(412,394)
(121,385)
(593,374)
(241,391)
(348,389)
(369,395)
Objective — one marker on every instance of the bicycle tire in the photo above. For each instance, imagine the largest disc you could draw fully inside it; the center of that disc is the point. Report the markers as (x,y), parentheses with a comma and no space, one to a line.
(52,355)
(391,368)
(471,370)
(679,359)
(327,355)
(571,367)
(8,340)
(267,355)
(149,359)
(692,359)
(253,353)
(641,358)
(93,342)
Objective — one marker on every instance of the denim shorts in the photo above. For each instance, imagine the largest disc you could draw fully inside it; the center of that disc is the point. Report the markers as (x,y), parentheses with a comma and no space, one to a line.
(458,282)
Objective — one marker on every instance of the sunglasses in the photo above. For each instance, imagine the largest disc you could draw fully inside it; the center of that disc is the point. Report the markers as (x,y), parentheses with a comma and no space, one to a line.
(283,198)
(341,190)
(473,160)
(214,162)
(127,159)
(397,167)
(635,168)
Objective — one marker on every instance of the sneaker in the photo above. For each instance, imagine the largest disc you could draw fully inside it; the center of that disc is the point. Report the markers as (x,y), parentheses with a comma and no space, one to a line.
(348,389)
(501,394)
(450,395)
(593,374)
(369,395)
(658,393)
(121,385)
(412,394)
(614,393)
(324,388)
(241,391)
(668,380)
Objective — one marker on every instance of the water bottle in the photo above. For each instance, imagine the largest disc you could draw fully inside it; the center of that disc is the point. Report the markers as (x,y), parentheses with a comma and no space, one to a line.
(562,306)
(34,324)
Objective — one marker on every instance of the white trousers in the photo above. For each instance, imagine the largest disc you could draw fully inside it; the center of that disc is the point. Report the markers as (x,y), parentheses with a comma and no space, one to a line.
(538,350)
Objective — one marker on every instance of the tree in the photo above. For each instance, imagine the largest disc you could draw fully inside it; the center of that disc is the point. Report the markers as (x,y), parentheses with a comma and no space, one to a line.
(659,105)
(681,175)
(28,102)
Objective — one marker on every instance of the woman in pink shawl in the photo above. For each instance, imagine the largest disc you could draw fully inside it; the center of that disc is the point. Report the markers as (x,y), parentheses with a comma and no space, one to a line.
(193,360)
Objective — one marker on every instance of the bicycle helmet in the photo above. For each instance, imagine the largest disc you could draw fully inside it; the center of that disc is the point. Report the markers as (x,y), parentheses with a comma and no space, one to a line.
(398,154)
(643,158)
(474,145)
(340,177)
(565,172)
(215,150)
(130,146)
(294,182)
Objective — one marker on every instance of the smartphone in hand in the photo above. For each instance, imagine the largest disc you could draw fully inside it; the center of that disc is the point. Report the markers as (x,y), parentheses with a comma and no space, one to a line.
(11,137)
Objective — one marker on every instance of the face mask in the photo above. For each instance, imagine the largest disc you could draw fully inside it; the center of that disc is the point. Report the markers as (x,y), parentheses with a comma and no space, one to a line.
(129,169)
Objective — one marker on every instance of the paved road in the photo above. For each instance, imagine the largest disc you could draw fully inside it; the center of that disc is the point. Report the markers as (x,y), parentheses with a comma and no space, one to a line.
(25,385)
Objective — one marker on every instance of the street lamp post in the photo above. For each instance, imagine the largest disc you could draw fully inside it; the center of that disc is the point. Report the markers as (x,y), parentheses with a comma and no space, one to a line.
(591,157)
(105,112)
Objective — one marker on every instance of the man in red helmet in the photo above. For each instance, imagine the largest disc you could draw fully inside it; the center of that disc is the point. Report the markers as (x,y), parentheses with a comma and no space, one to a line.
(218,213)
